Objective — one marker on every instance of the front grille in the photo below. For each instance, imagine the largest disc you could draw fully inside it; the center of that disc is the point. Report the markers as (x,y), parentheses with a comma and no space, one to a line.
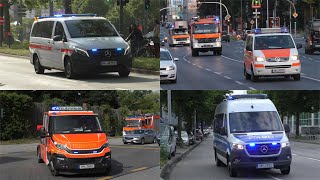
(181,39)
(85,151)
(102,53)
(278,66)
(282,59)
(207,40)
(163,69)
(129,138)
(263,149)
(84,160)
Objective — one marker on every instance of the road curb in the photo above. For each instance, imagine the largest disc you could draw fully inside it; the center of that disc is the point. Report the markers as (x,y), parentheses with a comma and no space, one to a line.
(303,141)
(135,70)
(166,170)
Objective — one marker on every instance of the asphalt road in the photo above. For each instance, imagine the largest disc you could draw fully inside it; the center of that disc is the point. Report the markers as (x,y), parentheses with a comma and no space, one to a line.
(18,74)
(199,164)
(128,162)
(226,72)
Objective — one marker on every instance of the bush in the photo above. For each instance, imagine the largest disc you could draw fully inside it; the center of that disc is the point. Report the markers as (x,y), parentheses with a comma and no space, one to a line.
(17,107)
(164,154)
(20,45)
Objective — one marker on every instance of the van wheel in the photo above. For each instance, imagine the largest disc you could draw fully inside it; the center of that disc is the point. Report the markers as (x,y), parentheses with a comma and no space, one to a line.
(218,162)
(285,171)
(254,78)
(123,71)
(53,171)
(154,140)
(248,76)
(40,160)
(68,69)
(297,77)
(232,172)
(37,65)
(142,141)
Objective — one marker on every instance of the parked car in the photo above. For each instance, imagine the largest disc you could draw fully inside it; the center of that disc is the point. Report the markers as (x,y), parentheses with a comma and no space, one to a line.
(225,36)
(199,135)
(140,136)
(312,37)
(185,138)
(168,139)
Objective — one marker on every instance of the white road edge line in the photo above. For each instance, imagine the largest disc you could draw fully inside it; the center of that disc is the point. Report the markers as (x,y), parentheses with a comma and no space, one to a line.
(200,66)
(238,82)
(252,88)
(217,72)
(314,159)
(227,77)
(208,69)
(318,80)
(273,177)
(232,59)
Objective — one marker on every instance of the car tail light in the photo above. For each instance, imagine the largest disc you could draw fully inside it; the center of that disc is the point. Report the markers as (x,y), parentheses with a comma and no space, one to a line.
(310,40)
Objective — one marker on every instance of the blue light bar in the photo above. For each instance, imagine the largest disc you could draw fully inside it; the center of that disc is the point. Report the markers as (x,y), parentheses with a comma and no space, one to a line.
(75,152)
(274,143)
(66,108)
(257,31)
(284,30)
(230,98)
(94,50)
(68,15)
(252,144)
(216,19)
(119,49)
(95,151)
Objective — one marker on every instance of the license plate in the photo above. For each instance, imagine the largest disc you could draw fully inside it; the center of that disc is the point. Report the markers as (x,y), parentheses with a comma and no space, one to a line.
(266,165)
(317,45)
(108,63)
(278,70)
(86,166)
(207,46)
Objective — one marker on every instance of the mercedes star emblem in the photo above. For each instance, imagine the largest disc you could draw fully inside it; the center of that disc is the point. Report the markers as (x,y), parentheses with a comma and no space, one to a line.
(264,149)
(108,53)
(277,59)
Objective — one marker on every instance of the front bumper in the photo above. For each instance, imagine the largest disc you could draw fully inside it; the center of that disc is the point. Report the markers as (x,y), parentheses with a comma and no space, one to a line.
(168,75)
(277,69)
(134,140)
(63,163)
(84,64)
(181,42)
(207,46)
(240,160)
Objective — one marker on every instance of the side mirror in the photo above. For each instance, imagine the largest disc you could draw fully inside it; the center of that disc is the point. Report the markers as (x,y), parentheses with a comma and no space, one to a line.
(57,38)
(286,128)
(223,131)
(176,59)
(42,132)
(299,46)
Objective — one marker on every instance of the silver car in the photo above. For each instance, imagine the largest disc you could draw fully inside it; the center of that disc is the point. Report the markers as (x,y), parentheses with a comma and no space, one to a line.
(140,136)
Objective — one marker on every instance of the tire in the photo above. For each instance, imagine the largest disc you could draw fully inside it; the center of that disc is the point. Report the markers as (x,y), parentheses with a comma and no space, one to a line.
(232,172)
(174,81)
(254,78)
(37,65)
(125,143)
(170,45)
(123,71)
(285,171)
(68,69)
(297,77)
(40,160)
(248,76)
(218,162)
(53,171)
(195,52)
(142,141)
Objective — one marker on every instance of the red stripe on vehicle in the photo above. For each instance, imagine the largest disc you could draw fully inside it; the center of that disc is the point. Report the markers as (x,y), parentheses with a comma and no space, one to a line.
(276,53)
(37,46)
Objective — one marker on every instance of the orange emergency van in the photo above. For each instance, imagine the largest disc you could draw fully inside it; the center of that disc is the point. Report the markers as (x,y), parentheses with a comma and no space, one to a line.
(141,122)
(72,140)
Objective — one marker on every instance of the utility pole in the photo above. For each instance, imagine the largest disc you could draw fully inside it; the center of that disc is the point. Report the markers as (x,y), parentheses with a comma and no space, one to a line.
(267,14)
(50,7)
(241,25)
(290,18)
(1,23)
(221,19)
(169,106)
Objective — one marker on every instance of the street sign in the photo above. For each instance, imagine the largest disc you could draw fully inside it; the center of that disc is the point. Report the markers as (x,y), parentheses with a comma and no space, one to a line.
(295,15)
(1,20)
(256,12)
(227,17)
(252,22)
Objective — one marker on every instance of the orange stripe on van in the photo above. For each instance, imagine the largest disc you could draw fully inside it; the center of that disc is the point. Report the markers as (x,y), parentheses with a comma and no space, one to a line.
(296,64)
(202,36)
(269,53)
(180,36)
(259,66)
(37,46)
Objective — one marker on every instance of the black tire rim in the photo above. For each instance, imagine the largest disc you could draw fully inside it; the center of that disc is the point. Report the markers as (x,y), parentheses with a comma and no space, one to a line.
(37,64)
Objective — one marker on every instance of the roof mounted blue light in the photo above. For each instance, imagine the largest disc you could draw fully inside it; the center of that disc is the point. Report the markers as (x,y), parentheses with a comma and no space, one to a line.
(252,144)
(66,108)
(119,49)
(94,50)
(257,31)
(216,19)
(284,30)
(274,143)
(68,15)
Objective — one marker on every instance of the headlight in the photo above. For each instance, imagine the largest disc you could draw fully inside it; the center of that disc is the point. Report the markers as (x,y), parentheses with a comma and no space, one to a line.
(260,59)
(237,146)
(105,145)
(285,144)
(294,58)
(128,50)
(60,146)
(123,133)
(81,51)
(195,40)
(170,68)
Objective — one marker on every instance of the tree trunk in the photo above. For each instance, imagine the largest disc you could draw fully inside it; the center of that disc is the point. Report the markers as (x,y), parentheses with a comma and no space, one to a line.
(297,123)
(67,7)
(6,8)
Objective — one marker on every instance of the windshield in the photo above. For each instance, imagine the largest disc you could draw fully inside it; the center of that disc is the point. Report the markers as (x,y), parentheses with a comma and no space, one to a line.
(242,122)
(165,56)
(205,28)
(180,31)
(273,42)
(90,28)
(75,124)
(138,132)
(132,123)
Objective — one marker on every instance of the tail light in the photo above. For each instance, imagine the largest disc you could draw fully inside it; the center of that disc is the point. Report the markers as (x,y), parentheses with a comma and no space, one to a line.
(310,40)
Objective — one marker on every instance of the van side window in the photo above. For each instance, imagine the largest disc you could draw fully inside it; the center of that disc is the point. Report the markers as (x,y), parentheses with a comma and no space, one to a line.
(218,123)
(59,30)
(42,29)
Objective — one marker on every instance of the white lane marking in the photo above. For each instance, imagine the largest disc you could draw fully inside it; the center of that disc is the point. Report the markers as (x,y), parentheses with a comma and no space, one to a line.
(217,72)
(121,89)
(310,59)
(193,64)
(238,82)
(208,69)
(227,77)
(314,159)
(318,80)
(273,177)
(294,154)
(232,59)
(304,56)
(200,66)
(252,88)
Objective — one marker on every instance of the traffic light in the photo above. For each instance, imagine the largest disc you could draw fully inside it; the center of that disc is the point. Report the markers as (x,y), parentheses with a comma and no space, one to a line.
(147,4)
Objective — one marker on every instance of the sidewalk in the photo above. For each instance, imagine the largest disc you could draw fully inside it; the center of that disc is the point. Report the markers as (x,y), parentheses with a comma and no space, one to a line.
(181,152)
